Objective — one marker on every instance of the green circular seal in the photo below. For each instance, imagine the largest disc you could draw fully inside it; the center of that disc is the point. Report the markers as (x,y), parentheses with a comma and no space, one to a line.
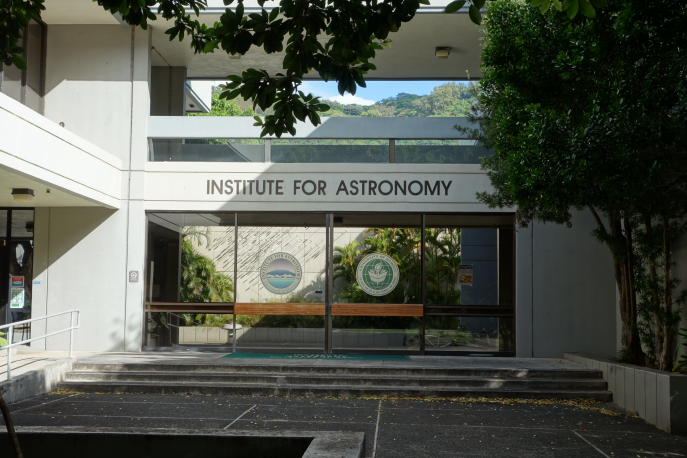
(377,274)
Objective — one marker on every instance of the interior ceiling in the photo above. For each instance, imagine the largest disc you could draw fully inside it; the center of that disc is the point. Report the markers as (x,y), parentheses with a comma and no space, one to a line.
(411,55)
(55,198)
(76,12)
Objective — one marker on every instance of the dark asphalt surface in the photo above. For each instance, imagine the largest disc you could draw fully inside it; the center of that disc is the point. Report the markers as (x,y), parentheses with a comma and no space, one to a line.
(393,428)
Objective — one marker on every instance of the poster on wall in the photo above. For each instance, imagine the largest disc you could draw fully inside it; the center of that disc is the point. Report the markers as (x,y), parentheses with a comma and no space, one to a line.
(465,275)
(16,292)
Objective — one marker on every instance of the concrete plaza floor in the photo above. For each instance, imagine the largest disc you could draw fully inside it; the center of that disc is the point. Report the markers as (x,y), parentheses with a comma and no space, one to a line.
(393,427)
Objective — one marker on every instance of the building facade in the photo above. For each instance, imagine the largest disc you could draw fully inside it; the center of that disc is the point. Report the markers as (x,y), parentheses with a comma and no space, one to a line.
(126,192)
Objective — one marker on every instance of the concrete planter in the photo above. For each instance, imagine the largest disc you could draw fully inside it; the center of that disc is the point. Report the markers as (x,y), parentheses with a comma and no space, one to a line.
(658,397)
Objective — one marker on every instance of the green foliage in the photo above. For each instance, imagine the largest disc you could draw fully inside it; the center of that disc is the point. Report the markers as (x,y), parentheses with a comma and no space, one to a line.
(448,99)
(224,107)
(3,340)
(200,281)
(570,7)
(14,17)
(591,114)
(403,245)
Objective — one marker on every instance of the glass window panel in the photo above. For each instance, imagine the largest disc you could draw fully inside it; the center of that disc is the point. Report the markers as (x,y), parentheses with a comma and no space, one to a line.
(440,152)
(190,258)
(361,333)
(469,283)
(4,268)
(299,151)
(355,238)
(207,150)
(470,334)
(281,267)
(16,260)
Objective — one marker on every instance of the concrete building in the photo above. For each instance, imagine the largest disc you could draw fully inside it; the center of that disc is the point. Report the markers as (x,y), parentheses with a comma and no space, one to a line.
(95,130)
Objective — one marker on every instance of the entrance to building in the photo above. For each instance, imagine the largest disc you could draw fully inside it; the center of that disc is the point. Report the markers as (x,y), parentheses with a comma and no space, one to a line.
(330,283)
(16,270)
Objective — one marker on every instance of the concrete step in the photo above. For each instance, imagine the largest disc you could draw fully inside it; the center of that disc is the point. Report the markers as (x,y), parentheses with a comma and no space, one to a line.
(257,368)
(216,388)
(296,379)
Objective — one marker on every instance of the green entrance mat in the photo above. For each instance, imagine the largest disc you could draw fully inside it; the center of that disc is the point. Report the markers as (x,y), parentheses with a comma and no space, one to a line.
(319,356)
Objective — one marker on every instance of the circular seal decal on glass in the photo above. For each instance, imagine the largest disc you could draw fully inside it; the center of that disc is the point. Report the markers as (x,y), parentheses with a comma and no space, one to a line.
(281,273)
(377,274)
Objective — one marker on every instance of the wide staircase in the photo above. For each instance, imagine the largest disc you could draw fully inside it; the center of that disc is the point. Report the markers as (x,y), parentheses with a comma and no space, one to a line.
(328,380)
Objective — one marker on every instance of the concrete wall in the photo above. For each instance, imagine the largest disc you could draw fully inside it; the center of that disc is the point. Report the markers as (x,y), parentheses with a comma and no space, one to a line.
(680,271)
(97,84)
(565,290)
(76,171)
(658,397)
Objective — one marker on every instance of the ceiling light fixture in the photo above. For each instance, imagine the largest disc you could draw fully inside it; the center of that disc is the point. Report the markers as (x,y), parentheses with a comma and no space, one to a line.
(442,52)
(235,56)
(22,194)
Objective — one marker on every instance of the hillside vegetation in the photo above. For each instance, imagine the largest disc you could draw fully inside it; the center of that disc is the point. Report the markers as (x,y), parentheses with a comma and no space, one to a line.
(449,99)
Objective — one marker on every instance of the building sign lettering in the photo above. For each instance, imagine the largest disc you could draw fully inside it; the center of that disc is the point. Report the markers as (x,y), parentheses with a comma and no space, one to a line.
(321,188)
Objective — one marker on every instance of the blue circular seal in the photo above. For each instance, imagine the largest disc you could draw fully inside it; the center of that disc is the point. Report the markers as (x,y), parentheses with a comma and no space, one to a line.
(281,273)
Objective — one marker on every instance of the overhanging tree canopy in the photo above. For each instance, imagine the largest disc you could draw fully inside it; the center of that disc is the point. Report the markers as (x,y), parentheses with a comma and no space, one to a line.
(592,114)
(356,30)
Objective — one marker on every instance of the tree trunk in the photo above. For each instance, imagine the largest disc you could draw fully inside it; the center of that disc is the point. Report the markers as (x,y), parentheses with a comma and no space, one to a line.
(665,361)
(655,299)
(621,250)
(10,427)
(622,261)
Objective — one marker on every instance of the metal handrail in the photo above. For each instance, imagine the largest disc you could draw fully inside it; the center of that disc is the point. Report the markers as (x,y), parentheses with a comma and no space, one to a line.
(10,334)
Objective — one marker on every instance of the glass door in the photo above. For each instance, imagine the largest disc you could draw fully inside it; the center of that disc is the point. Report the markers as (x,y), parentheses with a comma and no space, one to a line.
(16,270)
(281,282)
(377,287)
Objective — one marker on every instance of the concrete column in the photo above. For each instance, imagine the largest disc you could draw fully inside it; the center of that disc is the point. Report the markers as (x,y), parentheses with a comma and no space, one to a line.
(523,292)
(41,247)
(136,227)
(168,91)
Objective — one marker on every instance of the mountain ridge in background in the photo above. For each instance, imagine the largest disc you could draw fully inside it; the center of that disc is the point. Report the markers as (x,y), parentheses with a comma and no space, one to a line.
(448,100)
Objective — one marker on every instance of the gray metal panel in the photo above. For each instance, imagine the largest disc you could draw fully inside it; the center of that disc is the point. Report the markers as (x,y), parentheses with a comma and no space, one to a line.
(331,128)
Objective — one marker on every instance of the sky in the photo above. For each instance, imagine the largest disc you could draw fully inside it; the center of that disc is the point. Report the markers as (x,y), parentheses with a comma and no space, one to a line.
(374,92)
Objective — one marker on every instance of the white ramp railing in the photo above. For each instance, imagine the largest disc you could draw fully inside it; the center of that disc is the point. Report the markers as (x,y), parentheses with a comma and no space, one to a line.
(10,334)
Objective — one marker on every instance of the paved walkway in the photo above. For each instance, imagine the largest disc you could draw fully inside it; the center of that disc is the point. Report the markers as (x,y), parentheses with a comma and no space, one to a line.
(393,428)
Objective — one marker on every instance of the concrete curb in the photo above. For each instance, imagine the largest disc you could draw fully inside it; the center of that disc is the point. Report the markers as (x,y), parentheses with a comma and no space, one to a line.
(333,444)
(658,397)
(36,382)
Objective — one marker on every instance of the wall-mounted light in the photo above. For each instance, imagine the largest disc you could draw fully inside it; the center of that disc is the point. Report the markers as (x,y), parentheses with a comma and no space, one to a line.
(442,52)
(22,194)
(29,226)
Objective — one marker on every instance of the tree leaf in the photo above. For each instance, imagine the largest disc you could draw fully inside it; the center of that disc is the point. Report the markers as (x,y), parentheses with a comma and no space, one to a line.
(598,3)
(545,6)
(454,6)
(475,15)
(19,62)
(573,8)
(479,3)
(273,14)
(587,8)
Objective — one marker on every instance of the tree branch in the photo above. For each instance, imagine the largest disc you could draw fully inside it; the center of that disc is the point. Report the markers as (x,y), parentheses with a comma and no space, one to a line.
(599,223)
